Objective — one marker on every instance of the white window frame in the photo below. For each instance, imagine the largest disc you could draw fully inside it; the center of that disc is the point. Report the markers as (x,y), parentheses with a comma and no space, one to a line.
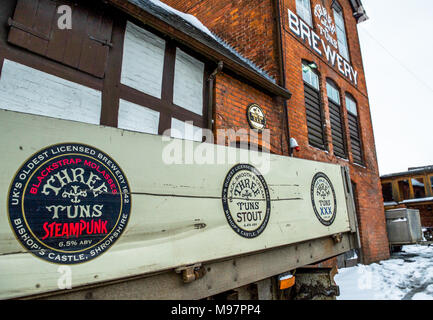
(303,9)
(310,77)
(343,47)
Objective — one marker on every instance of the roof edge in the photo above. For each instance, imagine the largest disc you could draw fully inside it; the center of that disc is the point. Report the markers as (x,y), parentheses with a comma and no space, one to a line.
(358,11)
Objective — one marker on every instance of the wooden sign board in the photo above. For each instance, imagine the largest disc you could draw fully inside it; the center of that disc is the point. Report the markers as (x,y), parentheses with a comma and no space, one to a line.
(113,208)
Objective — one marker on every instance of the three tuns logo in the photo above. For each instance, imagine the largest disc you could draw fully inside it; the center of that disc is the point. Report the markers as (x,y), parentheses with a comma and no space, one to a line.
(246,200)
(323,199)
(69,203)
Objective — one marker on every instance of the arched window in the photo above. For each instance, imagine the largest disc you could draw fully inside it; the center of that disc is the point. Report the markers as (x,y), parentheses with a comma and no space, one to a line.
(313,106)
(355,136)
(335,114)
(303,9)
(341,30)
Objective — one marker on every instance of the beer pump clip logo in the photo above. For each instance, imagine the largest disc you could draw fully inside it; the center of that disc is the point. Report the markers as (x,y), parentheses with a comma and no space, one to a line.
(323,199)
(69,203)
(256,117)
(246,201)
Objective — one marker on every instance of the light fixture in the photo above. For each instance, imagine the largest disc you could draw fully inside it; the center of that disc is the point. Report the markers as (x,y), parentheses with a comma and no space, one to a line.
(313,65)
(294,144)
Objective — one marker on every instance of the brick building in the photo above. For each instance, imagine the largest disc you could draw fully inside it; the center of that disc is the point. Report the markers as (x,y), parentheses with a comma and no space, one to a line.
(311,48)
(410,189)
(142,66)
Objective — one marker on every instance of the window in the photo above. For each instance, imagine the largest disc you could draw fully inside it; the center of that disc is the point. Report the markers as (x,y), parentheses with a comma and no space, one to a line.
(163,86)
(431,184)
(341,31)
(404,189)
(355,137)
(337,127)
(303,9)
(387,192)
(418,188)
(313,107)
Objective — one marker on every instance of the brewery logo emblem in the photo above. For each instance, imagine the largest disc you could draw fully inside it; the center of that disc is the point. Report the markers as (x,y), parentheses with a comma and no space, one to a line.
(256,117)
(323,199)
(246,200)
(69,203)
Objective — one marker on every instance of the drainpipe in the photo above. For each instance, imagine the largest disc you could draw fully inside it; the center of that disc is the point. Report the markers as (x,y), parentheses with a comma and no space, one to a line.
(211,88)
(283,74)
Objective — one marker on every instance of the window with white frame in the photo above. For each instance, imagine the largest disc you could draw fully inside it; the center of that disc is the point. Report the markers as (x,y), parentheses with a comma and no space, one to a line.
(313,107)
(310,77)
(341,31)
(163,85)
(303,9)
(355,135)
(336,119)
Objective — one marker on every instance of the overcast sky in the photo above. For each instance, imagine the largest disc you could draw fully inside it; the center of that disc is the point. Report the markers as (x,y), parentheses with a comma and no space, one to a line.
(397,49)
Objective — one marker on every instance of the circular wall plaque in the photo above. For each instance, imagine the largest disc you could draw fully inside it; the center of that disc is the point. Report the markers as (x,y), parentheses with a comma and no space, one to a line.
(256,116)
(69,203)
(246,201)
(323,199)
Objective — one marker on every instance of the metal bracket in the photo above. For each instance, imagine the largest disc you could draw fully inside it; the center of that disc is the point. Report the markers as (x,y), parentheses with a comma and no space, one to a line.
(338,237)
(191,273)
(19,26)
(103,42)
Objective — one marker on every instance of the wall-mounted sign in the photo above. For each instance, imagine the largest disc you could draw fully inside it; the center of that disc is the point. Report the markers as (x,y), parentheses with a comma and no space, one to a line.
(69,203)
(326,25)
(303,31)
(246,200)
(323,199)
(256,116)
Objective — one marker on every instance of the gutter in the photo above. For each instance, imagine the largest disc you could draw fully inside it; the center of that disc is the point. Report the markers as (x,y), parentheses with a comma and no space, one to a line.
(211,81)
(282,73)
(358,11)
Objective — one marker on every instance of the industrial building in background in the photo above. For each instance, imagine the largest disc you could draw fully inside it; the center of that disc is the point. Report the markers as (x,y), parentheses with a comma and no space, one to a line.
(411,189)
(89,93)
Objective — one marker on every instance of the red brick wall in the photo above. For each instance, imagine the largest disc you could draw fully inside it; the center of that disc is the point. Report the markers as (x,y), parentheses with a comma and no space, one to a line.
(232,97)
(426,214)
(369,197)
(249,26)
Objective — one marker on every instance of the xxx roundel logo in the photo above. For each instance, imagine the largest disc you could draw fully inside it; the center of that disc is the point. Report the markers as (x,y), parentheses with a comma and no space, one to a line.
(323,199)
(69,203)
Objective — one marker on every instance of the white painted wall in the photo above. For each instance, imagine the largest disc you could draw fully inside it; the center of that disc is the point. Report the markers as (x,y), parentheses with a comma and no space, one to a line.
(143,60)
(188,82)
(28,90)
(185,130)
(137,118)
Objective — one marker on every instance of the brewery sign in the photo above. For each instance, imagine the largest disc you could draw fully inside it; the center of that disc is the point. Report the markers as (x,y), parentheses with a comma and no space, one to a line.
(256,117)
(246,201)
(325,46)
(323,199)
(69,203)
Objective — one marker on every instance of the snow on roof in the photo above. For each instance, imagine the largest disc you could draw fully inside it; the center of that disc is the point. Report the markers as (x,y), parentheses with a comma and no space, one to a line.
(187,17)
(416,183)
(417,200)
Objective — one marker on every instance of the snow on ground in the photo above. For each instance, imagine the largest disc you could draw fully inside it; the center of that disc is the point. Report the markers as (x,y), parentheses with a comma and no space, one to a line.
(408,275)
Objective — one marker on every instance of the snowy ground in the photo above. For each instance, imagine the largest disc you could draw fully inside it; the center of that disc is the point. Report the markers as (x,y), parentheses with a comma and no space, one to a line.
(408,275)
